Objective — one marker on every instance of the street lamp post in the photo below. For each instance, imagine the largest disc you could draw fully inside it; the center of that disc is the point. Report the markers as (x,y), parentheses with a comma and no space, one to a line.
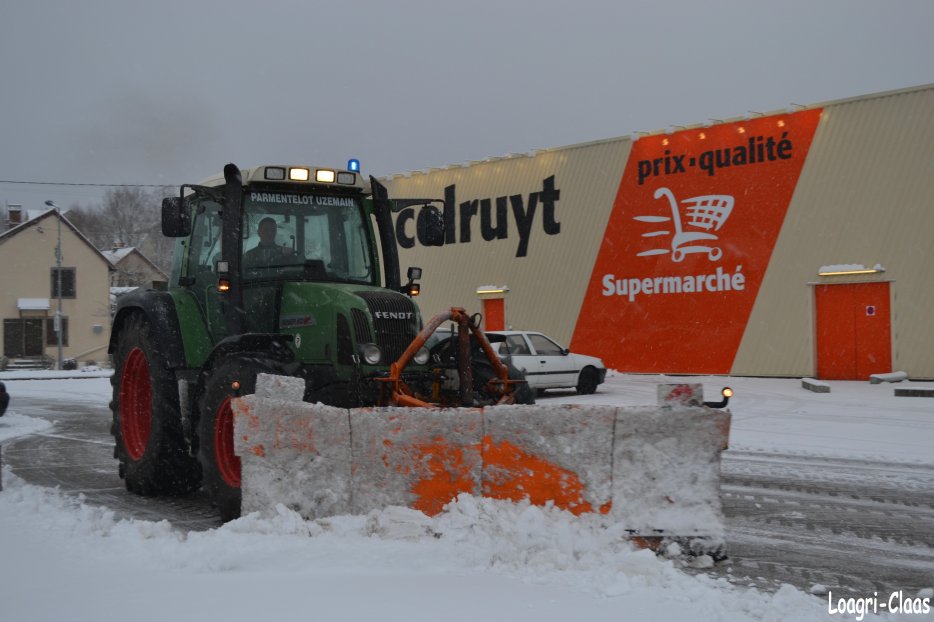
(58,270)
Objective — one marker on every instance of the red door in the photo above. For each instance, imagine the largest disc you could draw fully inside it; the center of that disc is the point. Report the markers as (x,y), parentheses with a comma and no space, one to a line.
(494,313)
(854,330)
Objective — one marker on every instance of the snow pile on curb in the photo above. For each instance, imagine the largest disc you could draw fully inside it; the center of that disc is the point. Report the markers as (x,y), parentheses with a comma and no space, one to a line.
(576,561)
(14,424)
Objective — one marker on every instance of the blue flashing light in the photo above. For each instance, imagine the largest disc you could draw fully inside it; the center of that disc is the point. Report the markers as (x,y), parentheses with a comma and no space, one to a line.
(353,165)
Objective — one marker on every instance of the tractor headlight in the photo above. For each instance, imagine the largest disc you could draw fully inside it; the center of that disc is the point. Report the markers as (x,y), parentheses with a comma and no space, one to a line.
(371,353)
(421,357)
(298,174)
(325,176)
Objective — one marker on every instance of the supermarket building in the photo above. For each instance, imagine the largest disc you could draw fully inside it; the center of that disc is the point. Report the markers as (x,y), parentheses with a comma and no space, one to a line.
(794,243)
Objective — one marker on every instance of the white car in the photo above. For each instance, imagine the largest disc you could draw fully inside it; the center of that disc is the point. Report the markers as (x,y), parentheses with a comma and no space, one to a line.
(546,364)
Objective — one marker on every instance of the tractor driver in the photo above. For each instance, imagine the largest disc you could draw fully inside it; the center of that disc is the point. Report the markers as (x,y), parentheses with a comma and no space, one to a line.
(267,252)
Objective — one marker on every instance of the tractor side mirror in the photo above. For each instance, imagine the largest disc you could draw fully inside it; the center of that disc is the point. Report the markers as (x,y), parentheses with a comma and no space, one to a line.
(430,226)
(176,217)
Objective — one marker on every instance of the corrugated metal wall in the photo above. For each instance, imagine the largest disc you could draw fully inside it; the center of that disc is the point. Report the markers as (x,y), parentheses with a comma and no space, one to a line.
(548,284)
(865,196)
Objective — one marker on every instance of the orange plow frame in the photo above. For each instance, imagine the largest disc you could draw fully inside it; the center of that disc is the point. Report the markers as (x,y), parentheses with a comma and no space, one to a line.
(501,386)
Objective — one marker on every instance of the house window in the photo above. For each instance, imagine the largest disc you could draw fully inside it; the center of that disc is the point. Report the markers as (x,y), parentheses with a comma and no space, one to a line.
(51,339)
(68,282)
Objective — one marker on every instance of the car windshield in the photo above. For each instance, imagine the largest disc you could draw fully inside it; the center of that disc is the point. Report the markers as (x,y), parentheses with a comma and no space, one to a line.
(312,236)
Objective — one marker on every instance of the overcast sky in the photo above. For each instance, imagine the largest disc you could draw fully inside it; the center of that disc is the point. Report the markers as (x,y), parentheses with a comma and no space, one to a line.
(167,92)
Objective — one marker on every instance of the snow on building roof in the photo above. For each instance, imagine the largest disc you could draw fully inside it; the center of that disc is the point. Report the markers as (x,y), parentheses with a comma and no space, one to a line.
(115,255)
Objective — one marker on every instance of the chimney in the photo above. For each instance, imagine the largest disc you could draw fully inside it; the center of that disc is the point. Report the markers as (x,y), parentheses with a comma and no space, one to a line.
(14,215)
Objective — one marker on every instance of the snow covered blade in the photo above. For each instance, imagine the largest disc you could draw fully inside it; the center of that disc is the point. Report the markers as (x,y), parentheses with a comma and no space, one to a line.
(651,471)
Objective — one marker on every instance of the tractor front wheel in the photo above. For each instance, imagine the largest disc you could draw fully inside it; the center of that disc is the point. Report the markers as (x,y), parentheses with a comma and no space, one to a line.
(219,463)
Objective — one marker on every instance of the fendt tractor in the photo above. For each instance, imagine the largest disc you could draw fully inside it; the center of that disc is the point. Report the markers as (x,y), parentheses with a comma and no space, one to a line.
(276,270)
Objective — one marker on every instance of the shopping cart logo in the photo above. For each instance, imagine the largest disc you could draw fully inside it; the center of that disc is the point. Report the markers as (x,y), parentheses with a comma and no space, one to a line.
(702,214)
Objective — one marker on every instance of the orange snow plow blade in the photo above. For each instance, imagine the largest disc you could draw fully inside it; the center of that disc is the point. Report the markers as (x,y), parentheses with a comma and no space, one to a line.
(652,471)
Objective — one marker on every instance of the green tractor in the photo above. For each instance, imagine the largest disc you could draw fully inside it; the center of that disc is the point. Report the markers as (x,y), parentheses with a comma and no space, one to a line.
(276,270)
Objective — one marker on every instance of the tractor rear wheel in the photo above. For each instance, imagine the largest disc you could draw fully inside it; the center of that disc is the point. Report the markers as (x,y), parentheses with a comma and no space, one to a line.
(147,428)
(219,463)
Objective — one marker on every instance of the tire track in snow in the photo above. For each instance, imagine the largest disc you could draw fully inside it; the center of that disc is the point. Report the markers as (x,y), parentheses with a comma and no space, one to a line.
(844,523)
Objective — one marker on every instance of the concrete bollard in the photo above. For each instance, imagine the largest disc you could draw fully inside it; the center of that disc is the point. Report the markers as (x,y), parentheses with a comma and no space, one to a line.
(895,376)
(816,386)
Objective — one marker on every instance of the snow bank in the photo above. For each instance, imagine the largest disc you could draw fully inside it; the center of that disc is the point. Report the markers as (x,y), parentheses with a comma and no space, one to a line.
(477,559)
(13,424)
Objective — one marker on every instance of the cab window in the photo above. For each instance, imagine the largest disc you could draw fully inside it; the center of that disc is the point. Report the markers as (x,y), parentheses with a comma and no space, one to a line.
(205,239)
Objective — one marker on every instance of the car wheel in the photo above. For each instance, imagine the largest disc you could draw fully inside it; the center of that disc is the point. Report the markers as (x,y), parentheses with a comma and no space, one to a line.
(587,382)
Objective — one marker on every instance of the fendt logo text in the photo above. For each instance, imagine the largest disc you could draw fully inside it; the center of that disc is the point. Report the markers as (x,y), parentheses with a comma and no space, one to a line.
(393,315)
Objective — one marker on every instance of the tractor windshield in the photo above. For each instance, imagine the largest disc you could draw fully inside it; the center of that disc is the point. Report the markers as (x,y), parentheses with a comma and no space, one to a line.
(307,236)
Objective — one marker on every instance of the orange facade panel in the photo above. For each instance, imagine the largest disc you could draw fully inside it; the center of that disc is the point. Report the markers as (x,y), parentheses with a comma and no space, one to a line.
(688,243)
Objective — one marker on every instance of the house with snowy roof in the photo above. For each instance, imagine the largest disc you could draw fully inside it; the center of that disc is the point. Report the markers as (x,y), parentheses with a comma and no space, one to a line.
(33,289)
(132,268)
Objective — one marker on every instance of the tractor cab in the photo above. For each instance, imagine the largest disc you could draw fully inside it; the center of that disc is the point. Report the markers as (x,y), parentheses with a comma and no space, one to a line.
(286,234)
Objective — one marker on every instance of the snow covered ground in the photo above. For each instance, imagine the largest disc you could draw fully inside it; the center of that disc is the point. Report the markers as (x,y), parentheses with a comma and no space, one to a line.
(480,559)
(854,420)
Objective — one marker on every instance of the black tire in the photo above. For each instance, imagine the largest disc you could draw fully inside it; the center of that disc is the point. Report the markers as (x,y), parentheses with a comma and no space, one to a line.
(220,466)
(524,393)
(446,352)
(483,373)
(147,426)
(587,381)
(4,399)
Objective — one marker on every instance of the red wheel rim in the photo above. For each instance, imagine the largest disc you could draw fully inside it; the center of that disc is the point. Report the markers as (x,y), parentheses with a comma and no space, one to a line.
(135,404)
(228,464)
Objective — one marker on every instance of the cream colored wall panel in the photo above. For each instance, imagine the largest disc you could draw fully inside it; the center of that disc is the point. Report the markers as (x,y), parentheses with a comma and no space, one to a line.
(865,196)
